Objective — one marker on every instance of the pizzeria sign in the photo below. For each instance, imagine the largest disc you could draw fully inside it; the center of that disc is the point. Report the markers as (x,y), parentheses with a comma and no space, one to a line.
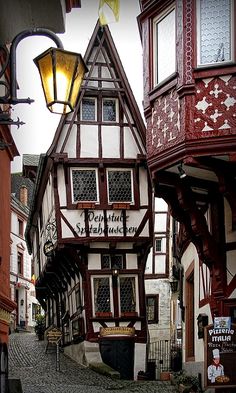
(220,355)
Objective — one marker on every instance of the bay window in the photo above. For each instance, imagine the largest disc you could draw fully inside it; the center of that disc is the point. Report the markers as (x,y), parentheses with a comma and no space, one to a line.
(164,39)
(215,24)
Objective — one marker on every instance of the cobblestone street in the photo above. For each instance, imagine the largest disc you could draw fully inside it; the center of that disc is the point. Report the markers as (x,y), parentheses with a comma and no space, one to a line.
(37,371)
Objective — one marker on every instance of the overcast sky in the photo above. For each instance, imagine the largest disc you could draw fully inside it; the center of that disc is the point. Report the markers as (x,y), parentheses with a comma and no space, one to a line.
(36,135)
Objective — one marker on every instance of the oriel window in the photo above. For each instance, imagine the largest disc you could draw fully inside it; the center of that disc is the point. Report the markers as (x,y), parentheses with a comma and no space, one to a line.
(215,25)
(164,46)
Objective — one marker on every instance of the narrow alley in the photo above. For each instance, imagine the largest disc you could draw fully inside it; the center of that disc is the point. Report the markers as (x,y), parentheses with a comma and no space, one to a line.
(37,372)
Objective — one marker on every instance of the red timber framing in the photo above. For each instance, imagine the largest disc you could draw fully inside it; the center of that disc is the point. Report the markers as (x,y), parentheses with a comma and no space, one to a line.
(99,223)
(191,123)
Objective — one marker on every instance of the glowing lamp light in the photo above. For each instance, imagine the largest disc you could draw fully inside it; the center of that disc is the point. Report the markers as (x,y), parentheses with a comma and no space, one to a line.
(61,75)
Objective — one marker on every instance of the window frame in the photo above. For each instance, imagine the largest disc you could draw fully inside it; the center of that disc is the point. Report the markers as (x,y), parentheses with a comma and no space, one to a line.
(136,311)
(116,109)
(97,201)
(95,109)
(20,227)
(20,263)
(155,22)
(111,261)
(132,202)
(102,313)
(232,38)
(156,308)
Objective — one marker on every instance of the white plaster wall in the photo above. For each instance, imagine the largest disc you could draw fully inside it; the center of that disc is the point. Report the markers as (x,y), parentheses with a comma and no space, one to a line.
(94,261)
(71,144)
(139,358)
(61,185)
(161,287)
(89,140)
(62,138)
(131,261)
(110,141)
(130,146)
(143,186)
(160,264)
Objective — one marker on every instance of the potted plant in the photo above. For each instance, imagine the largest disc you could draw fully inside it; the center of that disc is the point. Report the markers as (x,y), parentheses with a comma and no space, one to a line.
(40,326)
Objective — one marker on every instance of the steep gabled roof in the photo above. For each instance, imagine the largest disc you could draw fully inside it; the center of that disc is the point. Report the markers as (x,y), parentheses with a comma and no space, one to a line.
(101,48)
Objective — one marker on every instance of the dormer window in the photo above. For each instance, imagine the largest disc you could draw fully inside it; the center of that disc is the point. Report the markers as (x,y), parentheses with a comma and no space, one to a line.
(215,31)
(109,110)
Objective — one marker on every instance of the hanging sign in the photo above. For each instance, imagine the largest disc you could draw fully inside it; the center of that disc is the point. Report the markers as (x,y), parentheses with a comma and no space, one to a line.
(220,355)
(48,248)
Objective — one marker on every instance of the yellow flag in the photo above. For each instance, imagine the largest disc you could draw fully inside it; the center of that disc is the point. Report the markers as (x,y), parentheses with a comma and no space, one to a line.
(109,11)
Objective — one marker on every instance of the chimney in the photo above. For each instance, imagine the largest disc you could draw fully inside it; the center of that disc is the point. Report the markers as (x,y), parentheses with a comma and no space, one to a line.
(24,195)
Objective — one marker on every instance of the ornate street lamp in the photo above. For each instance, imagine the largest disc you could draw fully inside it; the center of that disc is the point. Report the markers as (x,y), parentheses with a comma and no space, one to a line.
(58,69)
(61,75)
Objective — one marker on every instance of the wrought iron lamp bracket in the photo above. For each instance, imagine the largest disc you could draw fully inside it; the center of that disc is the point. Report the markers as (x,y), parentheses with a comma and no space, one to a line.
(10,89)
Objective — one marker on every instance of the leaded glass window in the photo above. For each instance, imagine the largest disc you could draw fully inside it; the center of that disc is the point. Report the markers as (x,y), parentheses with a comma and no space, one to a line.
(158,243)
(164,46)
(214,31)
(127,294)
(84,185)
(88,109)
(120,186)
(109,110)
(112,261)
(152,308)
(102,301)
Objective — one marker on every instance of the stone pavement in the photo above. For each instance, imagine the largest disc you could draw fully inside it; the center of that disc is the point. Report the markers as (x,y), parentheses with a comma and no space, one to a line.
(37,371)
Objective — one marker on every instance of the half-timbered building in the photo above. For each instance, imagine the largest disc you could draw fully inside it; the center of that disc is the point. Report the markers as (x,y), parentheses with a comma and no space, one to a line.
(91,220)
(189,105)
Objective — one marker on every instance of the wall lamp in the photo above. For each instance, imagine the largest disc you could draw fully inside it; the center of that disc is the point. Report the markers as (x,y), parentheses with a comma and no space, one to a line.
(173,284)
(61,75)
(182,173)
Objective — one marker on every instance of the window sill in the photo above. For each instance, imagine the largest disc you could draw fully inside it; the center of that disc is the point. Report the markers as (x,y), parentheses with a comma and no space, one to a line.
(163,86)
(125,206)
(103,314)
(85,205)
(129,314)
(215,69)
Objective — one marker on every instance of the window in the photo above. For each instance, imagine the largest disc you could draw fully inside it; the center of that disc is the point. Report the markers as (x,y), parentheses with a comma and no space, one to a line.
(215,31)
(78,297)
(120,186)
(190,319)
(102,301)
(20,227)
(109,109)
(164,46)
(158,245)
(20,262)
(88,109)
(127,294)
(152,308)
(112,261)
(34,311)
(84,185)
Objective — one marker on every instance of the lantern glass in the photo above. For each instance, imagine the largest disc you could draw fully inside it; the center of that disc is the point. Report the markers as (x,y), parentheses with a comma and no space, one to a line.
(61,75)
